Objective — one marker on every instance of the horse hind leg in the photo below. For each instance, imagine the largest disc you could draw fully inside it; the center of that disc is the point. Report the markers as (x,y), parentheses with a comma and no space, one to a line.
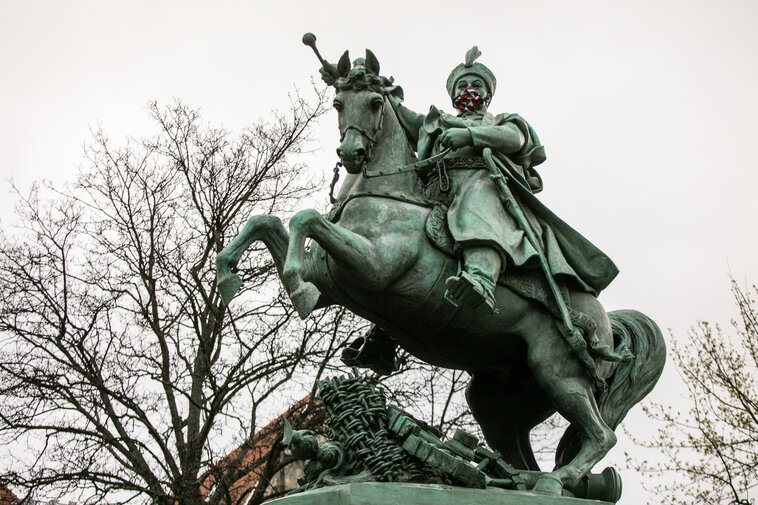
(507,411)
(632,379)
(569,388)
(266,228)
(596,440)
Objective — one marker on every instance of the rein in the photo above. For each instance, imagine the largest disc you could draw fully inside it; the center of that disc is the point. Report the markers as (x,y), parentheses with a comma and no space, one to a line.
(397,171)
(407,168)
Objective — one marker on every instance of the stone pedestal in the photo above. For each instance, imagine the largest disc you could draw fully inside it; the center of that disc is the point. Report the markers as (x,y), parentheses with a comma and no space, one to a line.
(392,493)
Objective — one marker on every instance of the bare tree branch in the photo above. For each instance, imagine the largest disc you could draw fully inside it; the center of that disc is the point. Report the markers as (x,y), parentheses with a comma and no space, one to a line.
(713,448)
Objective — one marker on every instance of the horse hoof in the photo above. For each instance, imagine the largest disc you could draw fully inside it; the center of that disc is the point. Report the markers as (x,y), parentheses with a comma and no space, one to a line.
(548,485)
(228,287)
(304,298)
(225,262)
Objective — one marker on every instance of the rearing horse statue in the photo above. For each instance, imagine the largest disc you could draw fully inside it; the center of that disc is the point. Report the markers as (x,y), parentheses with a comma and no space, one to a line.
(373,254)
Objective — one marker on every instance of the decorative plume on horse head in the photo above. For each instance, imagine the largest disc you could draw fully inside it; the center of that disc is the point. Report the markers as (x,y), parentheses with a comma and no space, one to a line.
(437,237)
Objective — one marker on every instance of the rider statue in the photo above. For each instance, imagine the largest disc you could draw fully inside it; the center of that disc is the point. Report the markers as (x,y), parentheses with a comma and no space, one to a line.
(486,237)
(488,240)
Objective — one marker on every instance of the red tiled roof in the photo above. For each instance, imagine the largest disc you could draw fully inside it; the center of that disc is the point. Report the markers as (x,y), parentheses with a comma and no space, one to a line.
(7,496)
(251,454)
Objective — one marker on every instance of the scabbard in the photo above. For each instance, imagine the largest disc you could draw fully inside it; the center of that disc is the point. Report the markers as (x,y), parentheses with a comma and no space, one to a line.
(573,337)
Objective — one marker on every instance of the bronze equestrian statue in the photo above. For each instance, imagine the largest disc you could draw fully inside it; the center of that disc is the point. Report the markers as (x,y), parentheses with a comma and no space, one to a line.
(436,237)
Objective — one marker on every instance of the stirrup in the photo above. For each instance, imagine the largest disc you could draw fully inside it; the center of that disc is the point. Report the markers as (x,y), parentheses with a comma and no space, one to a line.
(465,289)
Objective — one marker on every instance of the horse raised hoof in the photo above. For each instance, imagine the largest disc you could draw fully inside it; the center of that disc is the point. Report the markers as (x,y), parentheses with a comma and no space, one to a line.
(548,485)
(228,282)
(228,286)
(304,298)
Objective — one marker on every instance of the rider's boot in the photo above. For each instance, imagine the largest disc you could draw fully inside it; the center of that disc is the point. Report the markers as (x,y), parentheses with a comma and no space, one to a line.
(377,351)
(475,285)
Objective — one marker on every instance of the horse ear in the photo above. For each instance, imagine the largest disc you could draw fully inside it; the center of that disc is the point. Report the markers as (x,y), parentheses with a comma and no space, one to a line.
(372,64)
(343,66)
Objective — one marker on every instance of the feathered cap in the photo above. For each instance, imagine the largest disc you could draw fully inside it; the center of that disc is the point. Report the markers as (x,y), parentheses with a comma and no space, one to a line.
(470,66)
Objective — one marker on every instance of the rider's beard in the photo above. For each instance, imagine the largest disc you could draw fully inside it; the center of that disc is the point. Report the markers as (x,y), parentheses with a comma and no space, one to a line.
(469,99)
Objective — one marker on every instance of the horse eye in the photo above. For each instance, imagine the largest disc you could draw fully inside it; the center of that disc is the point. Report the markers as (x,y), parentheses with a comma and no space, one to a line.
(337,106)
(377,104)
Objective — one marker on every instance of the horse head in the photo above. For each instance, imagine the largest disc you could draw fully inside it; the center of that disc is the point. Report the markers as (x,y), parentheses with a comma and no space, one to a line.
(361,105)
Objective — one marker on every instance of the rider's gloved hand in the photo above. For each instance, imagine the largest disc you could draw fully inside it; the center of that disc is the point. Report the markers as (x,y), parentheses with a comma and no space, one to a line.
(326,76)
(456,138)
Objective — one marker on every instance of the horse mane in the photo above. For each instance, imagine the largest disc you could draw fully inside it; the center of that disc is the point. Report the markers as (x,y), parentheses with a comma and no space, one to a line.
(359,79)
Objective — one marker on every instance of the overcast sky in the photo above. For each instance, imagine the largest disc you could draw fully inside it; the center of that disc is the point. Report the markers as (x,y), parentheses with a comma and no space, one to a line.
(647,110)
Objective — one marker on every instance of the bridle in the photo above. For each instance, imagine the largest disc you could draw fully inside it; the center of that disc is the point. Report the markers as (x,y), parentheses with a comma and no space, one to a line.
(368,135)
(371,137)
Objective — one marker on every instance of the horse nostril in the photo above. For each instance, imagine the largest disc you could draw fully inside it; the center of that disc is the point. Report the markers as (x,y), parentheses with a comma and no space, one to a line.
(357,153)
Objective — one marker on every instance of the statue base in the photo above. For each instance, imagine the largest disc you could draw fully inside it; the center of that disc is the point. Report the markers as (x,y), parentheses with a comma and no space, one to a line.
(394,493)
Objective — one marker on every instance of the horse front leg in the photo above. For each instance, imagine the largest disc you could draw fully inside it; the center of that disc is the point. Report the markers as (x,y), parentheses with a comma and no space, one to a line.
(304,295)
(266,228)
(373,267)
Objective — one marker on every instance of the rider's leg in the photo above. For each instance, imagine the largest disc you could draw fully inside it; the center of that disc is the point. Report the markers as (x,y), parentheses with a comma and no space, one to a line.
(376,350)
(475,285)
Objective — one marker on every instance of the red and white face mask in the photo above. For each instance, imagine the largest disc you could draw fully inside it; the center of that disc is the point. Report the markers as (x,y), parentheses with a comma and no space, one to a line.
(469,99)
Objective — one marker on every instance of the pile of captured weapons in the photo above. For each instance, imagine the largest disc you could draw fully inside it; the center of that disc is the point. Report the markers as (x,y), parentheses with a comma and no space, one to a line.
(369,441)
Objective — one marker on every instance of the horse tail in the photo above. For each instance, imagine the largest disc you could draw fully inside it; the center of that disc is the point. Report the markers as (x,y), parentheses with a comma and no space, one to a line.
(630,381)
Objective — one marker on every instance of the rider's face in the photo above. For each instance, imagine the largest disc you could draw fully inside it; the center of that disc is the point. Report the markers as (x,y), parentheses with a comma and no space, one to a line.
(474,81)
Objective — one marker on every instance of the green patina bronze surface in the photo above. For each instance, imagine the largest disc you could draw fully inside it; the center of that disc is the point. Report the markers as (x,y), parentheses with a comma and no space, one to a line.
(386,493)
(371,441)
(437,237)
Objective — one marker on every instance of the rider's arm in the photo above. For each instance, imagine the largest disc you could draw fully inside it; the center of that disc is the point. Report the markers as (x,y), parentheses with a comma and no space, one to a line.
(506,138)
(523,147)
(518,141)
(411,121)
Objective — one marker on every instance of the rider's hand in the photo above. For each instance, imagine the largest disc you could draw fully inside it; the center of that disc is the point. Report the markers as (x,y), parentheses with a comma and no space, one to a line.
(456,138)
(326,76)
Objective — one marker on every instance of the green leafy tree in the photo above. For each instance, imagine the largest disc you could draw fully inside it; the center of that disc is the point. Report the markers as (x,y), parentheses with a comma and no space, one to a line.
(711,451)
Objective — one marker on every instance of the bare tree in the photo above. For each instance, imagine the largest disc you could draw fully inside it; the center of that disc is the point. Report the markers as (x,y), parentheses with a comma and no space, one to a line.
(711,451)
(122,374)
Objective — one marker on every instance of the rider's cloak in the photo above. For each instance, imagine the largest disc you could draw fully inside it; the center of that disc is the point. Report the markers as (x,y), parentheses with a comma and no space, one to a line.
(477,217)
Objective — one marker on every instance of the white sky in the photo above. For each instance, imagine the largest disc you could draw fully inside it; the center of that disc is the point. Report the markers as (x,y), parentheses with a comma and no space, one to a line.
(646,108)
